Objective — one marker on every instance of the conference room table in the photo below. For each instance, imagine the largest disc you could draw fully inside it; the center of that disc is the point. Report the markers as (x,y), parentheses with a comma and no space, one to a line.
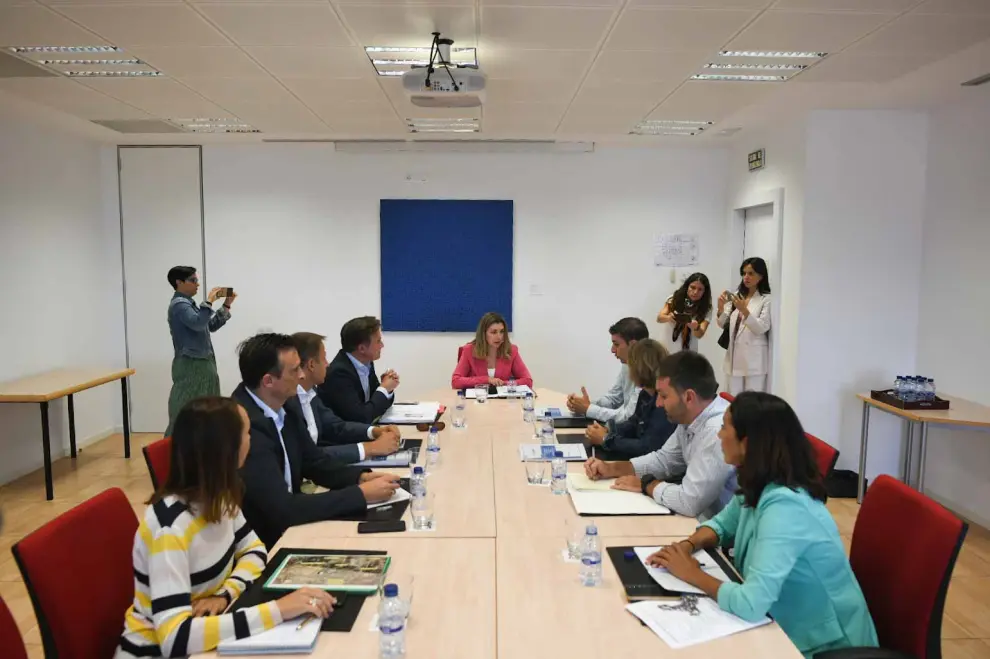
(490,580)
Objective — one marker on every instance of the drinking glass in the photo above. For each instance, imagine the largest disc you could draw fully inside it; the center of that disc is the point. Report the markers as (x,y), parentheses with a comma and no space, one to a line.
(422,511)
(574,528)
(510,386)
(481,393)
(535,470)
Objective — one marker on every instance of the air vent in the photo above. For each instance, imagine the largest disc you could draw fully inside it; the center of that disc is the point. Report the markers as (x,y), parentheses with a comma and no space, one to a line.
(15,67)
(139,126)
(976,82)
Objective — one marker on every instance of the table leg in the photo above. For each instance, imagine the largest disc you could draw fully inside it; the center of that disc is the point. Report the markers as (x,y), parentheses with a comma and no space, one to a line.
(860,490)
(923,450)
(72,427)
(46,444)
(126,417)
(908,450)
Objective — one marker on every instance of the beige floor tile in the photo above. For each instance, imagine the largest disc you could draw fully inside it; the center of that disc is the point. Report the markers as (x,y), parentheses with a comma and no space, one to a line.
(968,649)
(968,605)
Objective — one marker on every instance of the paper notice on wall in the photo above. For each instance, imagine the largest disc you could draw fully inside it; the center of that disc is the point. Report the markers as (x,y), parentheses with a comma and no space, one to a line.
(676,250)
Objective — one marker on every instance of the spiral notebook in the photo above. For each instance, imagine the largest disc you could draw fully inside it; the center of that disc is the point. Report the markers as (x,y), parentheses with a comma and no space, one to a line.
(285,638)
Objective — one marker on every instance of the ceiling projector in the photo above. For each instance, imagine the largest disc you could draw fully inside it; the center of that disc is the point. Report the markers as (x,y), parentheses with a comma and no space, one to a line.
(443,83)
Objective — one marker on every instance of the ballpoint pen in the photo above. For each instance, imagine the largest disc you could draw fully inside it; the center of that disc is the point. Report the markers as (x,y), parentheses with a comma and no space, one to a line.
(307,619)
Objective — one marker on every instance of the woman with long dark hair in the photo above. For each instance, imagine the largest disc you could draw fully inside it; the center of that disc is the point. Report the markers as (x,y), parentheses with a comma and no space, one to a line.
(787,546)
(689,310)
(491,358)
(194,553)
(747,314)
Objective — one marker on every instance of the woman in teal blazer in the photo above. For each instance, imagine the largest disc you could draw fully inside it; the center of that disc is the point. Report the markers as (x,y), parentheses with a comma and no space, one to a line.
(787,546)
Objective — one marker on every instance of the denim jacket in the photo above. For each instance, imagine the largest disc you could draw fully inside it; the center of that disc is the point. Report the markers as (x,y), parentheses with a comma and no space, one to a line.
(190,325)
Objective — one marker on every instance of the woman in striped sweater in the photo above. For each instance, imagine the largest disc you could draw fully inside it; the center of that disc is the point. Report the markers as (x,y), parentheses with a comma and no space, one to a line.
(194,554)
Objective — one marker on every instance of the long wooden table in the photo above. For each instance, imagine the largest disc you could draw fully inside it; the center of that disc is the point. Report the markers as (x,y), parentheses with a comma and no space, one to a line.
(46,387)
(490,581)
(961,413)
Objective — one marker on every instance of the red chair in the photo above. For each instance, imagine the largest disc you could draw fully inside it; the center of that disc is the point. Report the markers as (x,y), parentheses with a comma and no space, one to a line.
(904,547)
(11,643)
(825,455)
(80,576)
(727,396)
(460,351)
(158,455)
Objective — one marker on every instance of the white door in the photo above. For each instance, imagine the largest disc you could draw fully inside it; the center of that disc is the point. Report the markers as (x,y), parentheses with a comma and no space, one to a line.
(162,226)
(760,235)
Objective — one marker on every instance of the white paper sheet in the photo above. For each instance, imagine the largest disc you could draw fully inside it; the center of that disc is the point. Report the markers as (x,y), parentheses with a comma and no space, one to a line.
(555,412)
(406,413)
(580,482)
(281,639)
(397,459)
(615,502)
(503,392)
(399,495)
(679,629)
(668,581)
(572,452)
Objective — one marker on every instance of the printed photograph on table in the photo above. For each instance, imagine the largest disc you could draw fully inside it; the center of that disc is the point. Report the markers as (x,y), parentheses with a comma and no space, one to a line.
(356,573)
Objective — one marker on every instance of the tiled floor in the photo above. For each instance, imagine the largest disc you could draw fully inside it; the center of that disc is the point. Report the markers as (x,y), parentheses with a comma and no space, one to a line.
(965,628)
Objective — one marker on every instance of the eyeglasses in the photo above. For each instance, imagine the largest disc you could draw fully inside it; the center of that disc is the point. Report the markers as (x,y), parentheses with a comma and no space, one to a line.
(193,280)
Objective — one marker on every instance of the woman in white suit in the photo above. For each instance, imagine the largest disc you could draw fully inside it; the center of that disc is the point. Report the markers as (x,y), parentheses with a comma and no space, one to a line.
(747,313)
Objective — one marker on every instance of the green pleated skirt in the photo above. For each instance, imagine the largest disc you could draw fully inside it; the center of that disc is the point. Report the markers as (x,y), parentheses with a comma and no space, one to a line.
(191,378)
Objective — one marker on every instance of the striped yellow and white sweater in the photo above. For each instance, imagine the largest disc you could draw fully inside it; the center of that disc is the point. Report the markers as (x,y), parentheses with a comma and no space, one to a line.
(179,558)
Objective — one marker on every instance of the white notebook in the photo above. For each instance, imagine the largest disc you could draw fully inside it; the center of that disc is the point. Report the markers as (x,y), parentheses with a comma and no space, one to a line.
(572,452)
(669,582)
(397,496)
(410,413)
(580,482)
(679,629)
(615,502)
(281,639)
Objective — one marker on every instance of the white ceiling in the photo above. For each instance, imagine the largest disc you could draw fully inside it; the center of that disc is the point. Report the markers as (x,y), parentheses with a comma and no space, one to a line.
(565,69)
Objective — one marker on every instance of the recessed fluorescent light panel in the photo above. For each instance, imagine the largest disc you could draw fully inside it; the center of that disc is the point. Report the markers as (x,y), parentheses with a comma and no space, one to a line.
(213,125)
(738,78)
(773,54)
(86,61)
(758,65)
(452,125)
(396,60)
(679,127)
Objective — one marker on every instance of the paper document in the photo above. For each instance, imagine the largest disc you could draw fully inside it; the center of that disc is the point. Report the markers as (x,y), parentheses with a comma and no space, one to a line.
(668,581)
(572,452)
(281,639)
(580,482)
(615,502)
(407,413)
(503,392)
(555,412)
(397,459)
(679,629)
(399,495)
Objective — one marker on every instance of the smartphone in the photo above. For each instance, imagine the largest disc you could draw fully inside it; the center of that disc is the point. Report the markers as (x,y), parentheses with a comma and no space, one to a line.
(226,292)
(730,295)
(382,527)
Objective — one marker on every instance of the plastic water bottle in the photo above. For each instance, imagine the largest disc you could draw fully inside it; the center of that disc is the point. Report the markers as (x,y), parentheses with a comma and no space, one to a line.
(546,429)
(391,624)
(909,389)
(460,411)
(899,387)
(417,482)
(529,413)
(558,473)
(591,558)
(929,389)
(433,447)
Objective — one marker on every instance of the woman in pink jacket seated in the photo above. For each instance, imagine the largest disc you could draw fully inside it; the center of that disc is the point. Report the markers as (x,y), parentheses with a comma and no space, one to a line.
(491,358)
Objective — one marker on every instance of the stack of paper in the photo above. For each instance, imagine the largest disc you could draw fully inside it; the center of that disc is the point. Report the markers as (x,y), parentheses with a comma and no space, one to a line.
(555,412)
(399,495)
(669,582)
(397,459)
(285,638)
(679,629)
(411,413)
(614,502)
(503,392)
(572,452)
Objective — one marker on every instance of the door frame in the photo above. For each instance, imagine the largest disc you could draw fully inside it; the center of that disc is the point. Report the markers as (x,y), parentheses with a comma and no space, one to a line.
(737,219)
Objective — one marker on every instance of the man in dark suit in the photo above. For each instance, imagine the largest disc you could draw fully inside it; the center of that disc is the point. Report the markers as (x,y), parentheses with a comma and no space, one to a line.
(282,454)
(352,389)
(345,441)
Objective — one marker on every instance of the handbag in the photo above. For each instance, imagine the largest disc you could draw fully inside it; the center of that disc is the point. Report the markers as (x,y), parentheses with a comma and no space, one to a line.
(723,340)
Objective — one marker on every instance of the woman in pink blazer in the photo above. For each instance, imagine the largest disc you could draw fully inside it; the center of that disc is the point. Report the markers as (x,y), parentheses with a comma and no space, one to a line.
(491,358)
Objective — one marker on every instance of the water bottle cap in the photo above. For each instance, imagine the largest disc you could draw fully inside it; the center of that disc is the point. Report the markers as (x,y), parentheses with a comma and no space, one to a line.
(391,590)
(629,554)
(434,429)
(417,470)
(558,454)
(591,530)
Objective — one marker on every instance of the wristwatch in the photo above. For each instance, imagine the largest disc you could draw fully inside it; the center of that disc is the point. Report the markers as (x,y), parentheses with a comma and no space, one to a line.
(645,482)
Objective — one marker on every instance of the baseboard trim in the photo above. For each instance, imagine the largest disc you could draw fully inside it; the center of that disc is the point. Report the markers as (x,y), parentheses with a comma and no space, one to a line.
(966,514)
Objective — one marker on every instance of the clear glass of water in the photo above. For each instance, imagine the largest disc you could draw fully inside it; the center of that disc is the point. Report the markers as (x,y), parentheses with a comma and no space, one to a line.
(574,529)
(481,393)
(545,427)
(535,471)
(422,511)
(510,386)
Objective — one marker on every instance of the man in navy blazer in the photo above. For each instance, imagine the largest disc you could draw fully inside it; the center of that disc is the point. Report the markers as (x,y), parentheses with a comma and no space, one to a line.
(347,441)
(352,389)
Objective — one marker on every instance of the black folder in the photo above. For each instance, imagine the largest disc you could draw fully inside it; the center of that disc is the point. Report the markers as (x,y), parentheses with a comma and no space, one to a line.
(639,585)
(348,606)
(572,422)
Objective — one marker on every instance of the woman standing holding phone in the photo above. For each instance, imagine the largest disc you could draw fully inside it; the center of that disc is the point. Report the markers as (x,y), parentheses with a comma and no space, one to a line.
(689,310)
(747,315)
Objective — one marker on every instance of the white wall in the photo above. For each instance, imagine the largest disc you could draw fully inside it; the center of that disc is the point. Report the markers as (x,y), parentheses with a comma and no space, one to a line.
(295,229)
(954,313)
(61,296)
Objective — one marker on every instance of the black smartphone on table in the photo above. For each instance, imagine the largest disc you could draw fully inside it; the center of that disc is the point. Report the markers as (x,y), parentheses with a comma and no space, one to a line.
(382,527)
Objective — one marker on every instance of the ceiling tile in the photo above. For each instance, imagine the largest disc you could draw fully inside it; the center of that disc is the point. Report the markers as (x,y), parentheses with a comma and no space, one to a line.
(333,111)
(675,29)
(609,119)
(879,6)
(71,97)
(331,90)
(936,35)
(312,61)
(646,65)
(849,67)
(278,24)
(55,3)
(543,27)
(703,4)
(161,97)
(205,61)
(285,117)
(522,119)
(531,91)
(409,26)
(369,127)
(624,91)
(227,91)
(38,26)
(976,7)
(712,101)
(146,25)
(522,64)
(804,31)
(553,3)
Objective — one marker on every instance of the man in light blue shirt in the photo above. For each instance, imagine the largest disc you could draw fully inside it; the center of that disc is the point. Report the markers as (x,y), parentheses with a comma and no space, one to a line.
(352,389)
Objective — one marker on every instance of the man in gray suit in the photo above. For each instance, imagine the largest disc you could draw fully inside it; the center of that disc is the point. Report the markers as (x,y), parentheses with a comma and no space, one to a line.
(345,441)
